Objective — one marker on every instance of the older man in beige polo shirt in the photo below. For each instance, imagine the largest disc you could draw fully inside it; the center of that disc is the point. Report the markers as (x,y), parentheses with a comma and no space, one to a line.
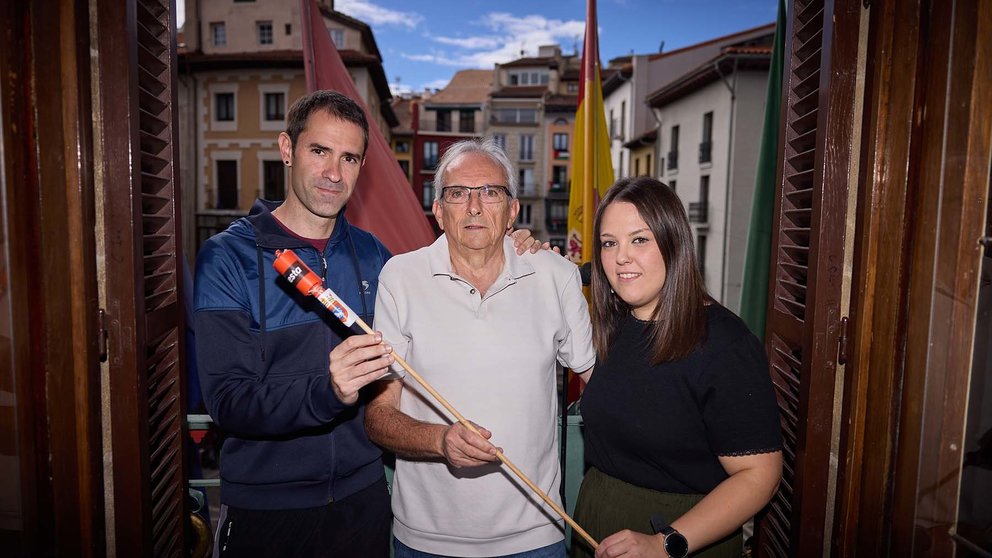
(489,330)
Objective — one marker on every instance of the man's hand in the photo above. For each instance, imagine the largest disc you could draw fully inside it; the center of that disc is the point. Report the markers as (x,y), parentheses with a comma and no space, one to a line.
(523,241)
(464,448)
(632,544)
(358,361)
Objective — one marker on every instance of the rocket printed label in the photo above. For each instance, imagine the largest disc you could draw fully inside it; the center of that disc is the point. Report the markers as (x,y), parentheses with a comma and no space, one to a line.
(337,307)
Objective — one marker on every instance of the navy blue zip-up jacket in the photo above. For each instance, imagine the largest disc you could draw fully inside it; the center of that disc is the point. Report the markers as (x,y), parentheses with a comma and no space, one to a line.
(262,353)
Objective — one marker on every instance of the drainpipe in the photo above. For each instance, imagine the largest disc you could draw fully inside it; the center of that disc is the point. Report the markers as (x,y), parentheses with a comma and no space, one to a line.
(730,166)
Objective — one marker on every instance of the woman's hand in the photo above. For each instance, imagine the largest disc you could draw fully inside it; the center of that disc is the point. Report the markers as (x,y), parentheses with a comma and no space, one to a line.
(631,544)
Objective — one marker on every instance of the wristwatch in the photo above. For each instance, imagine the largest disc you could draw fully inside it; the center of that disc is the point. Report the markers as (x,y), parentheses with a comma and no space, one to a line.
(675,544)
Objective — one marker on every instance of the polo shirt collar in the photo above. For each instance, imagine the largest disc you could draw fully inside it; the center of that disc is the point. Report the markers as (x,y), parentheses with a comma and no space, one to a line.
(440,259)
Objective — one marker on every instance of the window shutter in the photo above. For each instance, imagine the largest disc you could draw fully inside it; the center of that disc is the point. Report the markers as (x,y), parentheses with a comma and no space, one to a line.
(137,51)
(807,263)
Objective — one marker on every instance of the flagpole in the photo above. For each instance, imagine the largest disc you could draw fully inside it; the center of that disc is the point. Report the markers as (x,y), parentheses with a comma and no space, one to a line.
(308,63)
(591,56)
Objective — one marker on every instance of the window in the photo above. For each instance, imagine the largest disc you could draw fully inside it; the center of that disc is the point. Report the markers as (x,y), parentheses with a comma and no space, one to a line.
(526,147)
(706,146)
(500,140)
(514,116)
(704,190)
(545,78)
(430,154)
(613,125)
(273,181)
(524,217)
(402,147)
(623,119)
(218,33)
(671,184)
(527,183)
(514,79)
(466,121)
(559,178)
(673,152)
(647,166)
(572,87)
(637,166)
(444,121)
(227,184)
(560,144)
(224,107)
(427,194)
(337,37)
(275,106)
(289,28)
(405,167)
(264,29)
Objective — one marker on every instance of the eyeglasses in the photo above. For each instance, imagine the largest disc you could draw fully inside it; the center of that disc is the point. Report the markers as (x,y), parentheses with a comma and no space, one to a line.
(490,193)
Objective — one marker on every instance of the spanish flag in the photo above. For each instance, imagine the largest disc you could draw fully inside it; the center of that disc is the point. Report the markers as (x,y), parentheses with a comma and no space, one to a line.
(592,169)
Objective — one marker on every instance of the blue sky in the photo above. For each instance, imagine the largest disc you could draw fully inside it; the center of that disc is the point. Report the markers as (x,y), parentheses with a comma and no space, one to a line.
(423,43)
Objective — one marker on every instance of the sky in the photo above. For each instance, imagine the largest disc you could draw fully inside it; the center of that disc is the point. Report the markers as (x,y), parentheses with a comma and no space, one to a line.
(424,42)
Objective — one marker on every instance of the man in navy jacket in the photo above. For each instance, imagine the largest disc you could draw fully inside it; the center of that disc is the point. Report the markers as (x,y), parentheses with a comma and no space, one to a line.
(280,375)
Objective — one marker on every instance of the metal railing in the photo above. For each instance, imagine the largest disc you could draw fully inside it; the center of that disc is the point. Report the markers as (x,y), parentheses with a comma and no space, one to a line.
(698,212)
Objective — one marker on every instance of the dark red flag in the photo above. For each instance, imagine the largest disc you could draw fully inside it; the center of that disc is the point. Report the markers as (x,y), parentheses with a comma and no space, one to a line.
(383,202)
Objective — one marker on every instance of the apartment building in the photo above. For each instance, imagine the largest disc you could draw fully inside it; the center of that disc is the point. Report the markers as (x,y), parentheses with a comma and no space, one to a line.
(532,106)
(454,113)
(710,119)
(627,83)
(240,68)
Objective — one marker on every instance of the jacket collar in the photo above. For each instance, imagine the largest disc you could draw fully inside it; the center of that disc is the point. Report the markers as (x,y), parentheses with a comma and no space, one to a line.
(268,233)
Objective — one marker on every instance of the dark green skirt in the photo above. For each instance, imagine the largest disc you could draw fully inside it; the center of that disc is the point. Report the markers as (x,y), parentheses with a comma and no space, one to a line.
(606,505)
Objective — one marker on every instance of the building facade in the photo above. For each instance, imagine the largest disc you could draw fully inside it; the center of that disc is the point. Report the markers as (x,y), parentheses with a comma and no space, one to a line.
(454,113)
(240,68)
(709,120)
(532,114)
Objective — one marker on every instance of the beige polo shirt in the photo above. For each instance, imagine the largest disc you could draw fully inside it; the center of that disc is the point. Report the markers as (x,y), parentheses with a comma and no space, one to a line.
(495,359)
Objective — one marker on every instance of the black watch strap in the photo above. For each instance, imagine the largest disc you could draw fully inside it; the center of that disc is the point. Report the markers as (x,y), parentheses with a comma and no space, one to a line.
(659,525)
(675,544)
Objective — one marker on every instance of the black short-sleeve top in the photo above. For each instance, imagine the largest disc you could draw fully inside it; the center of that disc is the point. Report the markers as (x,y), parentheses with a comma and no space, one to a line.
(663,426)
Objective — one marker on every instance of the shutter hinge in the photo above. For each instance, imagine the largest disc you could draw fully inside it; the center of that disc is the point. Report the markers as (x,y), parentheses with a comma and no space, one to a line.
(842,341)
(101,334)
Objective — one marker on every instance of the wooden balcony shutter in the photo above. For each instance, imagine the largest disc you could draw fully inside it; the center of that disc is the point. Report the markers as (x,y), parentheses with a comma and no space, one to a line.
(137,52)
(807,263)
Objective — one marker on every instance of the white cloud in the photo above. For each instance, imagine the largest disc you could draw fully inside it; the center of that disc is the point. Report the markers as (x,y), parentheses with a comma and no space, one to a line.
(397,89)
(469,42)
(436,84)
(373,14)
(508,37)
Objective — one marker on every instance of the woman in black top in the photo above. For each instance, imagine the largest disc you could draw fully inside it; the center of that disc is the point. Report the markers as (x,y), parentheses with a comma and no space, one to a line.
(681,421)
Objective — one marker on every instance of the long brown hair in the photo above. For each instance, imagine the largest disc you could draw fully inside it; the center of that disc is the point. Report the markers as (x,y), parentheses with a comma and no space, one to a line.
(679,320)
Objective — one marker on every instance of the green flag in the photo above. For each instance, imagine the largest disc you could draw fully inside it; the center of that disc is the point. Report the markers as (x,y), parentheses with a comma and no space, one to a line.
(754,291)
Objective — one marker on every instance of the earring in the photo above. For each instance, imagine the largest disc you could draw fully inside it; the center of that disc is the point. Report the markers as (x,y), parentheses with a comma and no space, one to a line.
(286,163)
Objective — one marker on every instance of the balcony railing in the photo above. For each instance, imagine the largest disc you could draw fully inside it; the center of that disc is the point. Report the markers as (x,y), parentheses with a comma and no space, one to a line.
(212,221)
(673,160)
(698,212)
(705,152)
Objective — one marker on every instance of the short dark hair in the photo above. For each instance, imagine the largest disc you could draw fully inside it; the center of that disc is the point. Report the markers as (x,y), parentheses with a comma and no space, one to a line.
(679,319)
(338,105)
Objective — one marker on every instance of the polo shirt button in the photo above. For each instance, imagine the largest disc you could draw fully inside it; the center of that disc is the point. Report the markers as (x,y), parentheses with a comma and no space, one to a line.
(471,291)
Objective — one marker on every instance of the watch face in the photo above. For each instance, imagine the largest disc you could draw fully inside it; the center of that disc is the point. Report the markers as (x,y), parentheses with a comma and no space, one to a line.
(676,545)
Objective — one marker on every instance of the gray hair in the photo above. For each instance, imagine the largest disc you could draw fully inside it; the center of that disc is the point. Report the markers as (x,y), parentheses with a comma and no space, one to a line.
(484,146)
